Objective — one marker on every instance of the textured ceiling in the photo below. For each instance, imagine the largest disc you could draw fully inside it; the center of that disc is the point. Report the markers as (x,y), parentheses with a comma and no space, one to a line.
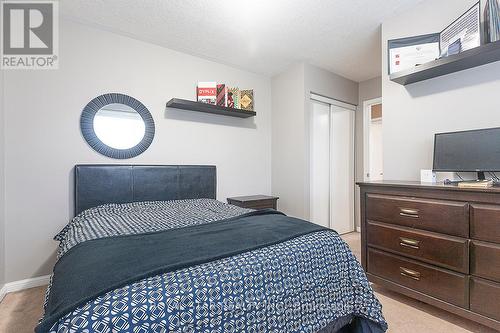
(265,37)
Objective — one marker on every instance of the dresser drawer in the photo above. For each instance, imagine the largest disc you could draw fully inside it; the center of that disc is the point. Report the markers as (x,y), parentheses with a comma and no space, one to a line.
(448,217)
(261,204)
(485,298)
(445,251)
(485,260)
(485,222)
(442,284)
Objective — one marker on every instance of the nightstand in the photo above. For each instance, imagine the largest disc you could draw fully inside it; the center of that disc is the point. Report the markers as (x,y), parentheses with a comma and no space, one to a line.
(254,201)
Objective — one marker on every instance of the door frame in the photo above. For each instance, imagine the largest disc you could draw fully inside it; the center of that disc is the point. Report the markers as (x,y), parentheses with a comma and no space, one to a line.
(366,134)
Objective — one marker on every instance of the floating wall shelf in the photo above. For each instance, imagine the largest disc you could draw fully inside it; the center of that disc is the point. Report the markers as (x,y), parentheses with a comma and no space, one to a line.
(184,104)
(478,56)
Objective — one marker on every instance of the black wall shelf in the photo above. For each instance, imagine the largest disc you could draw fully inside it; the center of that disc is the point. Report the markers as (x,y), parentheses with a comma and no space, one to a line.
(185,104)
(478,56)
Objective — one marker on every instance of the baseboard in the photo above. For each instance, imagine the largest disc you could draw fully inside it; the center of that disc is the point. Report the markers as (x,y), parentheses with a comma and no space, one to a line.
(23,284)
(3,292)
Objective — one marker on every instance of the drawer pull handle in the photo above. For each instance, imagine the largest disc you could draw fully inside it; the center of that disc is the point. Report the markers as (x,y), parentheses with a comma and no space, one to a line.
(410,273)
(409,212)
(411,243)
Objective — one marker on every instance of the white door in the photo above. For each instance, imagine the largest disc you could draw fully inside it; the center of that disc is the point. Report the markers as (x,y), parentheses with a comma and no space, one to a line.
(320,164)
(342,170)
(332,166)
(375,150)
(373,166)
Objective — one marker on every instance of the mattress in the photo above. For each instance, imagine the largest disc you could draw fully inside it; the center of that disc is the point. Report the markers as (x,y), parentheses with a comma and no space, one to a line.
(306,284)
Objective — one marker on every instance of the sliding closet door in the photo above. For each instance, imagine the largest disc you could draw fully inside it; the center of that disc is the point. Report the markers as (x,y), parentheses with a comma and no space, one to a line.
(332,166)
(320,164)
(342,170)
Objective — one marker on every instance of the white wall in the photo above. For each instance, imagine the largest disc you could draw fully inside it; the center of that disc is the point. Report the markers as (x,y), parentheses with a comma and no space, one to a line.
(290,134)
(413,114)
(288,140)
(325,83)
(370,89)
(43,139)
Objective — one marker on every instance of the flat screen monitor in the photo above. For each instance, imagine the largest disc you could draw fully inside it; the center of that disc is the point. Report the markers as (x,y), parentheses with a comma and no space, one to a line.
(468,151)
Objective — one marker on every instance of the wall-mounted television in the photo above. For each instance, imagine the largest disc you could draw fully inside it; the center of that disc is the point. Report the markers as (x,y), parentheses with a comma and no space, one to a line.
(468,151)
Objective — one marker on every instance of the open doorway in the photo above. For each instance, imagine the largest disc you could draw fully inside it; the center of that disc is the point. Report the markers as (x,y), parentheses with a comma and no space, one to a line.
(373,140)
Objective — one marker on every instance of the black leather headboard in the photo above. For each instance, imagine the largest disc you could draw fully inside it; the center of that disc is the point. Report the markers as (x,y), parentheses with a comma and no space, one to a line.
(100,184)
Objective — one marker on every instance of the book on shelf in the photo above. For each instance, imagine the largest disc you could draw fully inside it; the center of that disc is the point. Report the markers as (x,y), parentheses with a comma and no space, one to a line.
(233,97)
(221,95)
(206,92)
(246,100)
(476,184)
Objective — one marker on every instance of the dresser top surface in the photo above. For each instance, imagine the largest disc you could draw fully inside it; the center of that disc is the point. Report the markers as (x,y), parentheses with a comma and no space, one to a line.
(250,198)
(430,186)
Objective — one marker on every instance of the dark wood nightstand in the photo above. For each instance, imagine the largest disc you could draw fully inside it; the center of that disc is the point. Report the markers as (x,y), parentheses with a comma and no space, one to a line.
(254,201)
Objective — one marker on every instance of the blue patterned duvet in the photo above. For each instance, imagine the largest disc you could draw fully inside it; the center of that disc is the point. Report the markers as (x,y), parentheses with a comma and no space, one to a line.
(301,285)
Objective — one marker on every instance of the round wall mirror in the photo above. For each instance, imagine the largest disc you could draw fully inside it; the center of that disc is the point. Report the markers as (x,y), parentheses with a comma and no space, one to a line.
(117,126)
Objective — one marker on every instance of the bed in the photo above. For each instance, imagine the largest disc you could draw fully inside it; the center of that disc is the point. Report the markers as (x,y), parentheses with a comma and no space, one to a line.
(150,249)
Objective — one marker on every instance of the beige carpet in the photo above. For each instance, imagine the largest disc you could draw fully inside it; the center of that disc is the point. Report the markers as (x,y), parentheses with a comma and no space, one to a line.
(19,312)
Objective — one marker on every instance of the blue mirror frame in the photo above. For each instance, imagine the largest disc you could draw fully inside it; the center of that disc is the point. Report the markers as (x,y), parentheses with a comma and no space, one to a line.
(87,125)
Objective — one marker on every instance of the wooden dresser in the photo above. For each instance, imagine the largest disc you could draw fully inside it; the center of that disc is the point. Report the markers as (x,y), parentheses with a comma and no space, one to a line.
(439,244)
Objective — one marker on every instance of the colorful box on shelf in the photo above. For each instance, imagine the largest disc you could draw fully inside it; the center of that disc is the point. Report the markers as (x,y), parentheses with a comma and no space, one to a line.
(206,92)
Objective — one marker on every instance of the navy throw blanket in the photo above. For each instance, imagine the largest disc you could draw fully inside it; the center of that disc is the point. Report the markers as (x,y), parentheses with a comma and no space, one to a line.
(95,267)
